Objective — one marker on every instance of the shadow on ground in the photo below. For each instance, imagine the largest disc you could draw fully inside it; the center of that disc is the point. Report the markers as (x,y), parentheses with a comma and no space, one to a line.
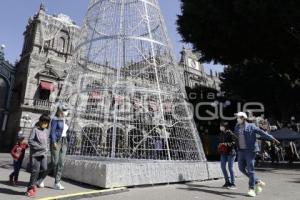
(296,180)
(11,192)
(274,166)
(212,190)
(20,183)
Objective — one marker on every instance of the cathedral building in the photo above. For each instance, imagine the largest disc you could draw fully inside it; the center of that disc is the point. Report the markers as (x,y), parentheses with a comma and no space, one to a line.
(194,74)
(45,58)
(7,76)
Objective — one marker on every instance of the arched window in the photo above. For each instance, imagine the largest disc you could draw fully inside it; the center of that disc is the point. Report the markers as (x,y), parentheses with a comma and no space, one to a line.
(61,44)
(3,93)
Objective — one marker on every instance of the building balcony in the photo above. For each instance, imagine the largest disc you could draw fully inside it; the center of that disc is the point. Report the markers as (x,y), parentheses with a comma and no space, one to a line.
(37,104)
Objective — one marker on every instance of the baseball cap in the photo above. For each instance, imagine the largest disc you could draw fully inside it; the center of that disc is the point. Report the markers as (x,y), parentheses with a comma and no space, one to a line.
(241,114)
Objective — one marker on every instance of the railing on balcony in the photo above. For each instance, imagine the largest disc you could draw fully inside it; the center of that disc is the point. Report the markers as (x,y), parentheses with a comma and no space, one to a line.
(37,104)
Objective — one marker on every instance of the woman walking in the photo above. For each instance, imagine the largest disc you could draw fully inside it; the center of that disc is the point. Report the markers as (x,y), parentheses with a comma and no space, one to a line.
(227,150)
(58,146)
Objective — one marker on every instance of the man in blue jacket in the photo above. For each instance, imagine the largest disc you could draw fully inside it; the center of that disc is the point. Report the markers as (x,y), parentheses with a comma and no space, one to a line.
(247,148)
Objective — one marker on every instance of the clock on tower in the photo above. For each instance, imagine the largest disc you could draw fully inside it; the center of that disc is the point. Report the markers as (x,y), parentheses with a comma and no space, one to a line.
(193,64)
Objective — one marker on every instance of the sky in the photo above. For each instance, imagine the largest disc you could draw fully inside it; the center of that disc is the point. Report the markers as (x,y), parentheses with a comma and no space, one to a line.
(14,16)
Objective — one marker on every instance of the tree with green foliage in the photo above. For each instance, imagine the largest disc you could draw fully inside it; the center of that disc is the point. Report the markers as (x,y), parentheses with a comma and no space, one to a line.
(258,40)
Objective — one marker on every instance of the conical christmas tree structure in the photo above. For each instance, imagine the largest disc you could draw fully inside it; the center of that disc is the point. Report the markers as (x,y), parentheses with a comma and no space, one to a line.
(124,88)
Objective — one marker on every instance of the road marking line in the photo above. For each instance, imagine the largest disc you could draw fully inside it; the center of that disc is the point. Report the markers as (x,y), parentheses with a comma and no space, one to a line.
(85,193)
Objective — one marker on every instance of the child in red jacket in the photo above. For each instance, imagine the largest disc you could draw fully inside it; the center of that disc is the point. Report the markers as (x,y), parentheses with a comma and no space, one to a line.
(18,153)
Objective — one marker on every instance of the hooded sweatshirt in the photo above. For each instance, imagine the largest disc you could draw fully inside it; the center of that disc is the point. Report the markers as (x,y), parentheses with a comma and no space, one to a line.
(38,142)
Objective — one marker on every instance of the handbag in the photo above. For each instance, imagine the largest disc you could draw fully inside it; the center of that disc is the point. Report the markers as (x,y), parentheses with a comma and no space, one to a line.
(223,149)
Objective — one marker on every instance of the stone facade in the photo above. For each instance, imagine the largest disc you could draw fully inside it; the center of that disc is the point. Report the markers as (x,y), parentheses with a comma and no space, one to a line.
(46,55)
(7,77)
(194,74)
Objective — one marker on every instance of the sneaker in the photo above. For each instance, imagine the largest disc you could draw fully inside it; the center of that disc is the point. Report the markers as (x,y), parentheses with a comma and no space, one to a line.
(226,185)
(40,184)
(258,189)
(232,187)
(11,180)
(58,186)
(34,188)
(30,193)
(16,181)
(251,193)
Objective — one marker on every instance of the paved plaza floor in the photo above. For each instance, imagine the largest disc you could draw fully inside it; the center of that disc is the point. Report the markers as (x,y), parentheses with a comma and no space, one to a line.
(283,183)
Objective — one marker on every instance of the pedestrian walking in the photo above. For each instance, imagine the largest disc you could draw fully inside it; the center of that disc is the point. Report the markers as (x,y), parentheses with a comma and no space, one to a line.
(38,141)
(274,153)
(227,150)
(58,146)
(281,153)
(247,148)
(18,153)
(292,152)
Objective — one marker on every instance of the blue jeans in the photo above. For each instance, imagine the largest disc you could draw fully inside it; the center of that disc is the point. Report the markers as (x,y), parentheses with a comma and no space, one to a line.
(17,167)
(246,161)
(230,160)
